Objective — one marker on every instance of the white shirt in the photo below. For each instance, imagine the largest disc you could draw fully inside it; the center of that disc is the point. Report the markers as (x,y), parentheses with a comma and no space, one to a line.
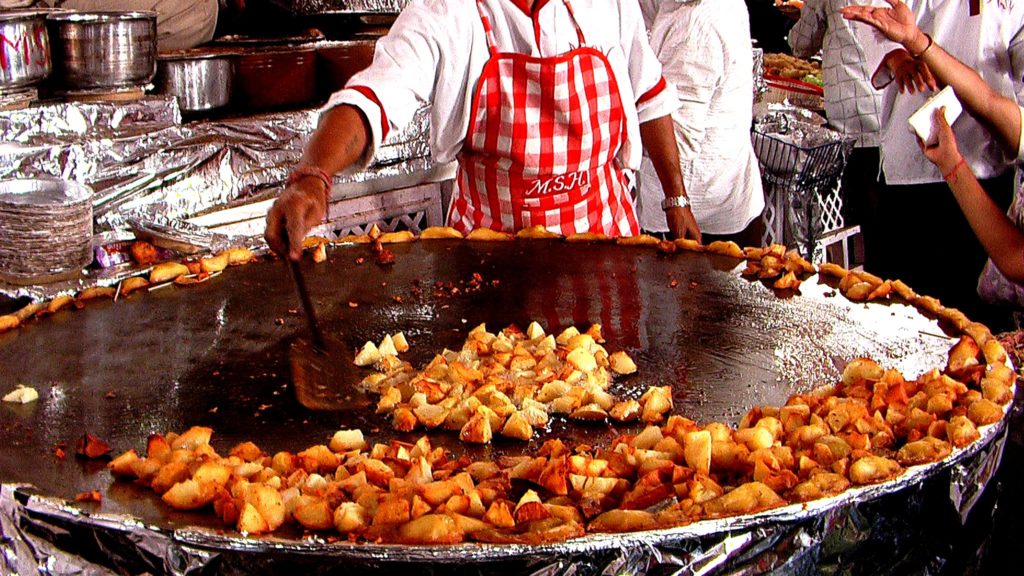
(853,106)
(436,49)
(705,48)
(993,44)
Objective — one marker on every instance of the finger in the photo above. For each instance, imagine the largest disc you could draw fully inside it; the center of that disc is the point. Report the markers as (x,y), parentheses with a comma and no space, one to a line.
(296,230)
(272,233)
(929,78)
(893,3)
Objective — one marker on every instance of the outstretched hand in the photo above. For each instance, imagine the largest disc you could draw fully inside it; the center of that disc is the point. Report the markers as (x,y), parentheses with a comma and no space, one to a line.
(897,23)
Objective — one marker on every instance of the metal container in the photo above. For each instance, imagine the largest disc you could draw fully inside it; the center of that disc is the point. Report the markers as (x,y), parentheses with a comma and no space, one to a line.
(100,50)
(200,79)
(276,79)
(337,61)
(24,49)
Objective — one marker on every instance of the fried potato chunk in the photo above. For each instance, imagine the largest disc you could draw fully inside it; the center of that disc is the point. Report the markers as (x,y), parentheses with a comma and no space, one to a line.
(873,469)
(430,529)
(488,235)
(166,272)
(537,232)
(746,499)
(618,520)
(440,232)
(923,451)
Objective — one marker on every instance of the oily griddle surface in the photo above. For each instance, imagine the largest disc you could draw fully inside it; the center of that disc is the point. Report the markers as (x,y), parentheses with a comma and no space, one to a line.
(215,354)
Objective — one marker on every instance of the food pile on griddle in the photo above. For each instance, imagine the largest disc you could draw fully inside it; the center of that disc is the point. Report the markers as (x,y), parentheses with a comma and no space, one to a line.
(867,428)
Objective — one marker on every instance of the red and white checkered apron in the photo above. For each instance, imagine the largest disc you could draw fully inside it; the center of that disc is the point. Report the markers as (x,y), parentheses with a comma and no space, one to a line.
(542,144)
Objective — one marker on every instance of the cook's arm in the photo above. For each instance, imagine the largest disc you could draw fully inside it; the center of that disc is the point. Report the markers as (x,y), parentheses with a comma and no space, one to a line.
(338,142)
(659,141)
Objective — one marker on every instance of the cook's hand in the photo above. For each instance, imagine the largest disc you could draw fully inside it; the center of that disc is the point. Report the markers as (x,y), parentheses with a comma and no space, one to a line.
(897,23)
(911,75)
(682,224)
(300,207)
(945,154)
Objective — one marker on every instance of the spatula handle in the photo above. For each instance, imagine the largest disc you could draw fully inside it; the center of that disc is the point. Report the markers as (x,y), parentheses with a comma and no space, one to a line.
(307,304)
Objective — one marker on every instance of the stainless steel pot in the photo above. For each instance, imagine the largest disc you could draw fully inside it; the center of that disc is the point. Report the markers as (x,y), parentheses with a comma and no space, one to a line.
(24,49)
(201,79)
(98,50)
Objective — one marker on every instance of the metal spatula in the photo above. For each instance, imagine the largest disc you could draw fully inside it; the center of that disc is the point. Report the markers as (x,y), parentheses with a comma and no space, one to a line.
(322,371)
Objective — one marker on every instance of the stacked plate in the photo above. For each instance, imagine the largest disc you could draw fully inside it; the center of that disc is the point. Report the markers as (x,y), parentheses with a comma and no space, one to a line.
(45,230)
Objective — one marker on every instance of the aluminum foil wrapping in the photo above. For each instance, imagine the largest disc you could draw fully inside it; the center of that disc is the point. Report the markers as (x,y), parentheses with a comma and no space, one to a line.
(311,7)
(760,86)
(898,527)
(146,166)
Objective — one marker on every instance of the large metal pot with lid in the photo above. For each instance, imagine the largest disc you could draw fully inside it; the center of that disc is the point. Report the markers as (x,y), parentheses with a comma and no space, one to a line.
(102,49)
(24,49)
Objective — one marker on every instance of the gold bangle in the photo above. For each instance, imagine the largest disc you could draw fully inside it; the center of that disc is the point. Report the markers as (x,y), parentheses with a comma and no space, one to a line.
(926,48)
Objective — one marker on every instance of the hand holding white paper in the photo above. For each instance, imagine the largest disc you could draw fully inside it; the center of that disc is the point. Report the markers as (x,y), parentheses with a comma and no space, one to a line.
(922,120)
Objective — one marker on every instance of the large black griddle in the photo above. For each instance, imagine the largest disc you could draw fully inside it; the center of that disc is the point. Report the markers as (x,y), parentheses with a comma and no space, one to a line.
(216,354)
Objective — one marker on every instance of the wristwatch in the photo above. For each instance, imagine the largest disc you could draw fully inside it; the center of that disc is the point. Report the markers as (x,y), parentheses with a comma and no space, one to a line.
(675,202)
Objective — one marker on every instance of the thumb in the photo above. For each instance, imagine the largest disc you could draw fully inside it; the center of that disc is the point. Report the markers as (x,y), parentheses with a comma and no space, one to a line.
(945,132)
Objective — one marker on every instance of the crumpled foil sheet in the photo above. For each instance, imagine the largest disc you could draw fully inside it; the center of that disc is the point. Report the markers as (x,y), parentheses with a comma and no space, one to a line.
(144,164)
(897,527)
(760,86)
(310,7)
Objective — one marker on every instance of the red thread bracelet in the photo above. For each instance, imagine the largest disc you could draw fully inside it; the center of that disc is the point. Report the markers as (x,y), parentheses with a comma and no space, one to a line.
(953,170)
(304,170)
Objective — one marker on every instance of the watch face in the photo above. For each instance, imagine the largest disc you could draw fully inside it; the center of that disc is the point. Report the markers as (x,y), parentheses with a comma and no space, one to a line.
(674,202)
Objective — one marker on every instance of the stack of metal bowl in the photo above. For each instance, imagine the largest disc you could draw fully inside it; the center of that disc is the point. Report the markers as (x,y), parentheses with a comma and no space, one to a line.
(45,230)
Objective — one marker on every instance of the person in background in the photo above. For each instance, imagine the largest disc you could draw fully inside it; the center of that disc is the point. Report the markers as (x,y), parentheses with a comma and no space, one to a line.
(706,55)
(852,105)
(924,241)
(768,25)
(545,105)
(1000,233)
(180,24)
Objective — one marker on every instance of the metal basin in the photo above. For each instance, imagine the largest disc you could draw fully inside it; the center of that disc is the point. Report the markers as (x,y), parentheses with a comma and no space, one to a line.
(24,49)
(200,79)
(97,50)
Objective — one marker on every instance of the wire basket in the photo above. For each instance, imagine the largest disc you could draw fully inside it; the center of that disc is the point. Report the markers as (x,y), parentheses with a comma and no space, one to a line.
(801,165)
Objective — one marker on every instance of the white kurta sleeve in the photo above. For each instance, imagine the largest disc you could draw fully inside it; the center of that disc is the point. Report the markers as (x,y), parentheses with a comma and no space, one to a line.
(655,97)
(402,76)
